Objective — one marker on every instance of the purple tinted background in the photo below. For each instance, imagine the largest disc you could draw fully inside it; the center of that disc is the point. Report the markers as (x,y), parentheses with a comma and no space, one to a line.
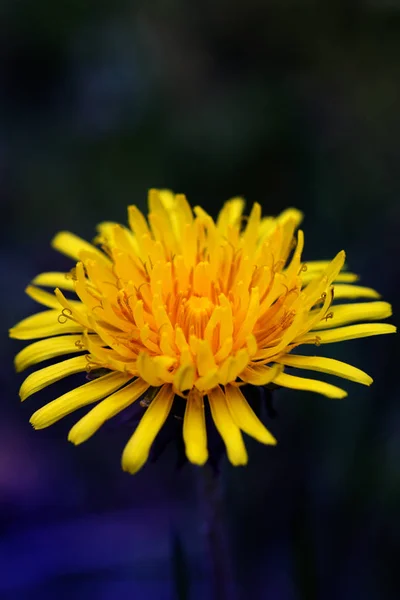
(287,103)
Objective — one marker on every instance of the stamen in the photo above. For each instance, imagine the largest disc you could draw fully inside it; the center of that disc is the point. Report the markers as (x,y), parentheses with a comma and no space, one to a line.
(91,364)
(126,310)
(277,267)
(97,307)
(146,269)
(65,315)
(118,279)
(71,274)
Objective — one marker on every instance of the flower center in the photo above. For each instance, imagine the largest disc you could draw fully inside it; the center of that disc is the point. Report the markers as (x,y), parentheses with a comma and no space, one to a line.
(196,305)
(197,311)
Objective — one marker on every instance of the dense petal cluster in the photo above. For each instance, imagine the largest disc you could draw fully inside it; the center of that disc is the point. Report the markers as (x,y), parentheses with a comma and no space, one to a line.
(179,304)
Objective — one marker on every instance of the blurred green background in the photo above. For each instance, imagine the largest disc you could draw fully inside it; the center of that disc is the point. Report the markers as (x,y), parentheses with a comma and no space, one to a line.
(288,103)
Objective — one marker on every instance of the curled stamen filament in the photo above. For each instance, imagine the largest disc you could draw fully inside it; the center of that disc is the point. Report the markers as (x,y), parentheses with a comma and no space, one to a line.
(91,364)
(66,314)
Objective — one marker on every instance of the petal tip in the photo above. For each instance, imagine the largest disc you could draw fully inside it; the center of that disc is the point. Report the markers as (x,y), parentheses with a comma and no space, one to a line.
(238,459)
(129,464)
(54,243)
(130,468)
(242,462)
(23,394)
(197,459)
(74,438)
(35,422)
(18,364)
(268,439)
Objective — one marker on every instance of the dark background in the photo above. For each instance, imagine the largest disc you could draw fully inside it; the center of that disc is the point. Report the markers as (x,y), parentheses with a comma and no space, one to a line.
(287,103)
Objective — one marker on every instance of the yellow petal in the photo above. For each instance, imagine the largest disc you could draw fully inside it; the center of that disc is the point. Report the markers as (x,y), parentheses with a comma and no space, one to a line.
(137,222)
(233,367)
(183,209)
(106,231)
(49,300)
(205,358)
(326,365)
(43,324)
(164,366)
(250,234)
(341,314)
(60,280)
(250,319)
(178,208)
(107,409)
(354,291)
(194,429)
(244,416)
(76,398)
(72,245)
(40,379)
(77,310)
(314,266)
(350,332)
(342,277)
(260,374)
(309,385)
(230,214)
(317,265)
(48,348)
(251,344)
(184,377)
(290,214)
(318,286)
(137,449)
(208,381)
(294,266)
(347,277)
(227,427)
(160,221)
(147,371)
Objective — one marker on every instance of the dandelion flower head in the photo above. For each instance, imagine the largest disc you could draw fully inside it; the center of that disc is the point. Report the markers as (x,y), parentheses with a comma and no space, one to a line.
(180,304)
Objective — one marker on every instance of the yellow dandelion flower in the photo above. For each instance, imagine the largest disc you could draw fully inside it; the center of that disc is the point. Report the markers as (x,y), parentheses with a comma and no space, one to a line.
(180,304)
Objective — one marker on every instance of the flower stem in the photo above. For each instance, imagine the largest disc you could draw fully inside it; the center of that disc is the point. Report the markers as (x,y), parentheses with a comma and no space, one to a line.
(215,535)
